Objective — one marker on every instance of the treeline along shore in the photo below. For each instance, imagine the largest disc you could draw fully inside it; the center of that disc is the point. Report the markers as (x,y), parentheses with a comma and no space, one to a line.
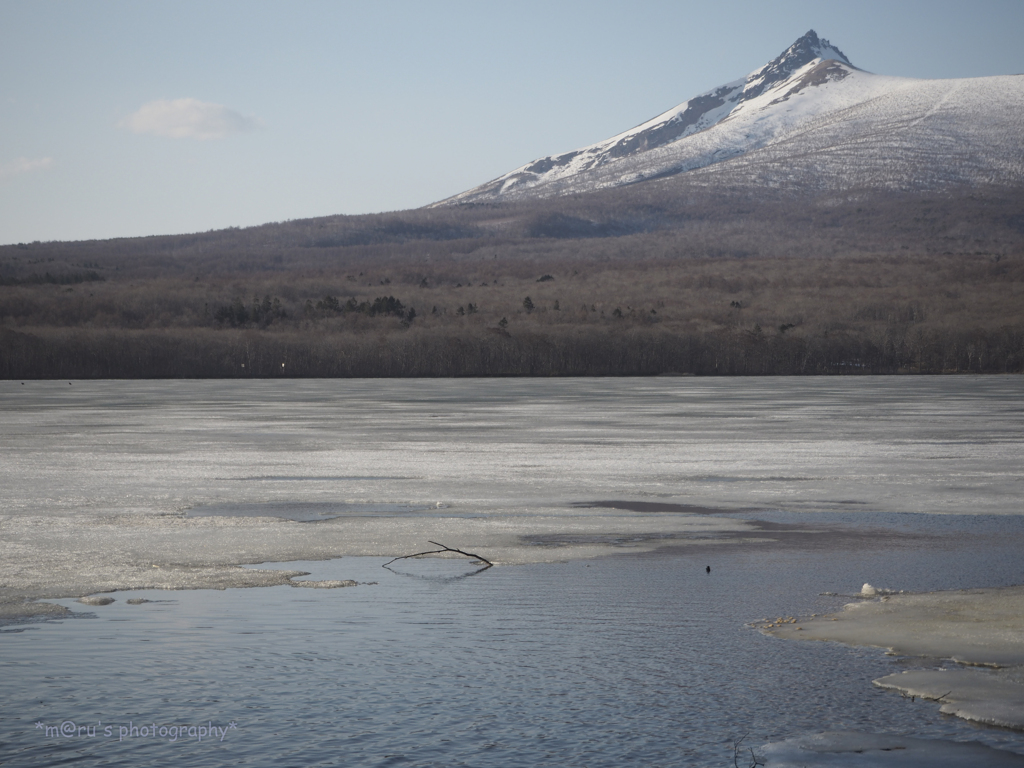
(655,280)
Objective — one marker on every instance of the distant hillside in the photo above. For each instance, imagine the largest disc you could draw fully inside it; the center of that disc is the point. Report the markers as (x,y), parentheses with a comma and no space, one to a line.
(663,277)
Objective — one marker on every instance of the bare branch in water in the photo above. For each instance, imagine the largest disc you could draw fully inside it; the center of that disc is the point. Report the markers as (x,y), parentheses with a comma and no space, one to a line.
(755,761)
(439,551)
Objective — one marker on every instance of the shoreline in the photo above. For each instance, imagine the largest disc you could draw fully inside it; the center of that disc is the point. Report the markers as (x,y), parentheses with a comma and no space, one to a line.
(74,557)
(981,631)
(82,555)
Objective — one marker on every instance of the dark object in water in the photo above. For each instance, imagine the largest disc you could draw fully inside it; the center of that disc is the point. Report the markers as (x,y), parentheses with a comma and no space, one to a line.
(443,549)
(709,569)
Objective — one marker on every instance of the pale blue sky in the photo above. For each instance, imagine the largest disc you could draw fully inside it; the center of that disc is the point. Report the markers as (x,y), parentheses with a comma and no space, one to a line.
(154,117)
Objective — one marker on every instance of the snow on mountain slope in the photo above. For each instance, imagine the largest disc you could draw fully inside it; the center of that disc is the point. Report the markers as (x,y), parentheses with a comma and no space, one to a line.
(925,134)
(808,117)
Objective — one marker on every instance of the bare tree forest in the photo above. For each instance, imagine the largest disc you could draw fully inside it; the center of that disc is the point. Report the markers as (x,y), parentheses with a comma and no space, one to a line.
(654,279)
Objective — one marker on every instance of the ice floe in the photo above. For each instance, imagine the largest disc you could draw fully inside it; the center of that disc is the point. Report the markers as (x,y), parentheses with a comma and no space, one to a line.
(976,627)
(326,584)
(849,749)
(992,697)
(96,600)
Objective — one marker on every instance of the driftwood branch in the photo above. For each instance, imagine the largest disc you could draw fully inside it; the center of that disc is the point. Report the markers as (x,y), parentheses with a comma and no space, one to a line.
(755,761)
(439,551)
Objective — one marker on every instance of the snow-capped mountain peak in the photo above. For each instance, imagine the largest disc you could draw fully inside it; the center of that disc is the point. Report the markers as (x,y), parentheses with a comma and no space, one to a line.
(808,48)
(808,117)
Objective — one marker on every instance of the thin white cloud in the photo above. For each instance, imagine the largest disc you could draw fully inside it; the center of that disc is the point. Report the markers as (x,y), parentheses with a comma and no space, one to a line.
(188,119)
(24,165)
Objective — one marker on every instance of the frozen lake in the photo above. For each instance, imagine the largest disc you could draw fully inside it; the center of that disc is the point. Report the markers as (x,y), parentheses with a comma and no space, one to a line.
(606,644)
(898,444)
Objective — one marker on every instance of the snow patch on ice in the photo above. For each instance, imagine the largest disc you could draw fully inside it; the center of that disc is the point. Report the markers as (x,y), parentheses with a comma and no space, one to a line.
(868,591)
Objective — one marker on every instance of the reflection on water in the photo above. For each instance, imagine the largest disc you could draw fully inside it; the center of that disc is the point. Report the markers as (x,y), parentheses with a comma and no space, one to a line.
(434,574)
(620,661)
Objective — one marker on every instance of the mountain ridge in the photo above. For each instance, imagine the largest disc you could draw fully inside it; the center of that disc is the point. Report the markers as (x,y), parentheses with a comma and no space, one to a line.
(803,88)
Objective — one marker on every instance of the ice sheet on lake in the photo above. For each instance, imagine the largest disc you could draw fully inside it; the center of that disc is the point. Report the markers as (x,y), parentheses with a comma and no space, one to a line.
(310,512)
(896,444)
(979,627)
(973,626)
(989,697)
(846,749)
(102,483)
